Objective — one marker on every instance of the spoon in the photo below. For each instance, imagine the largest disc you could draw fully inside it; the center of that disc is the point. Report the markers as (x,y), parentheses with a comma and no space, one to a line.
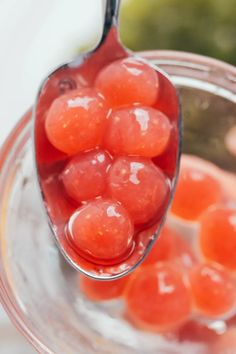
(49,162)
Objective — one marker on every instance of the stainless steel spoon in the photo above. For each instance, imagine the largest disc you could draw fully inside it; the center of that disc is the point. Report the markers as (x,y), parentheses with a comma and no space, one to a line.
(49,162)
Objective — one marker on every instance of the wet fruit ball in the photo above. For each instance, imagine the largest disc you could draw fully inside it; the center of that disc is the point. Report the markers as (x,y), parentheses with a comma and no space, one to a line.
(128,81)
(218,235)
(101,229)
(84,177)
(139,186)
(142,131)
(213,289)
(196,190)
(76,121)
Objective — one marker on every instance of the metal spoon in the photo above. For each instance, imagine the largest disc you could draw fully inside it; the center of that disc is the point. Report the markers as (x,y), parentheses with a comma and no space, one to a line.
(49,162)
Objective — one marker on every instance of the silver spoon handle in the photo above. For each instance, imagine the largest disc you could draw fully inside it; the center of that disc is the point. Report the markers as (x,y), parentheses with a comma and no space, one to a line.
(111,16)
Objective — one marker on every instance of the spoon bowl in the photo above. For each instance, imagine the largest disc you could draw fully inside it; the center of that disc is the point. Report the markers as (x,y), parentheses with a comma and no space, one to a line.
(50,162)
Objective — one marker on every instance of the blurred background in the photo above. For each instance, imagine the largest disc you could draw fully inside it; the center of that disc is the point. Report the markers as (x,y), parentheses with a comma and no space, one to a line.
(37,36)
(205,27)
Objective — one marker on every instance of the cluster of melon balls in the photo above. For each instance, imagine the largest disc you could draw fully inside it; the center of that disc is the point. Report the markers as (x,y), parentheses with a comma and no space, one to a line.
(110,133)
(190,271)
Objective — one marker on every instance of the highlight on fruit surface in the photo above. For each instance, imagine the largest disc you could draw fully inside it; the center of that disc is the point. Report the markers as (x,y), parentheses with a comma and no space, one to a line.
(157,298)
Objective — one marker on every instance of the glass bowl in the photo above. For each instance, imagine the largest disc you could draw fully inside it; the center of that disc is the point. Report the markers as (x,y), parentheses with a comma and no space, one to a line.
(39,291)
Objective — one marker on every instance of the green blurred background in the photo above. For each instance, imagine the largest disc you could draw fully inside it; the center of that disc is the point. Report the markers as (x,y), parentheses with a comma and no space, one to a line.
(205,27)
(201,26)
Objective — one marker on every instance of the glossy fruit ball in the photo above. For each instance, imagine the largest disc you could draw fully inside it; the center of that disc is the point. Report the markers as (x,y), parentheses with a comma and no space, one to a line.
(170,246)
(101,229)
(213,289)
(84,177)
(196,191)
(157,298)
(102,290)
(139,186)
(142,131)
(217,237)
(76,121)
(128,81)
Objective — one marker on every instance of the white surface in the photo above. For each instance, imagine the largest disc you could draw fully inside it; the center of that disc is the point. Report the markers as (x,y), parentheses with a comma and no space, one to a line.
(36,36)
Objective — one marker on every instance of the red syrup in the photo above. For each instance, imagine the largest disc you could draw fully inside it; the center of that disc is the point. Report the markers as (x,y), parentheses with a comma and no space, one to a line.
(78,113)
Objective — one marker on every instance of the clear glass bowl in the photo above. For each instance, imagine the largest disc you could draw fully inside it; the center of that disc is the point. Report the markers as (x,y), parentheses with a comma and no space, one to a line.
(38,289)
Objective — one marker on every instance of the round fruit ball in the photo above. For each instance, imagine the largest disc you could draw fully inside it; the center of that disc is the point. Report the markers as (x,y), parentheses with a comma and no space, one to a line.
(141,131)
(213,290)
(196,191)
(76,121)
(97,290)
(128,81)
(217,239)
(84,177)
(139,186)
(157,298)
(101,229)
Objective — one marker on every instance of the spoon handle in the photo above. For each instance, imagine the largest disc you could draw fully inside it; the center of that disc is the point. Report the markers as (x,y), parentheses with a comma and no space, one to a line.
(111,16)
